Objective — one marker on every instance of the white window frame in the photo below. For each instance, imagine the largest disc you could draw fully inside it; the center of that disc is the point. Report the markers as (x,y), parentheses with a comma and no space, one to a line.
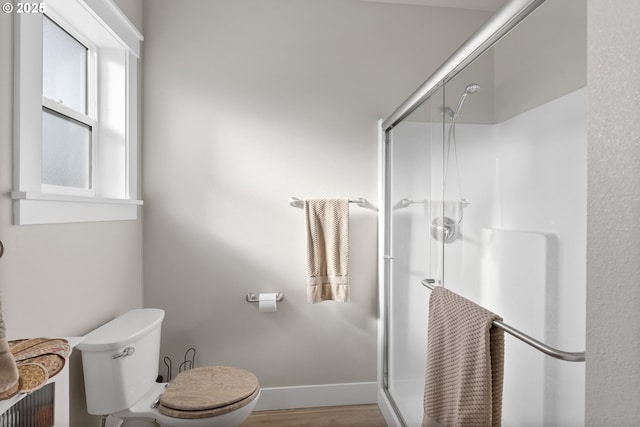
(102,25)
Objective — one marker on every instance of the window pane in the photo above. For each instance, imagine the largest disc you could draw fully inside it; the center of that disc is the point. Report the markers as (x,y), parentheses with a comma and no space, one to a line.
(64,67)
(66,151)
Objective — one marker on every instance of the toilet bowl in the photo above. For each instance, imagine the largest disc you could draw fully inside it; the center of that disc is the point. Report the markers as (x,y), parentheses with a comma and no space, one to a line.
(145,410)
(120,361)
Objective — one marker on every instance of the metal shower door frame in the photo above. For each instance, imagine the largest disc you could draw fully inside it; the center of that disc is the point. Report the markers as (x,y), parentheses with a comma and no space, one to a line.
(505,19)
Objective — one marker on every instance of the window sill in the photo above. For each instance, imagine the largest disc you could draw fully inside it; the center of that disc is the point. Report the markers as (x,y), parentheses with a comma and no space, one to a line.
(44,208)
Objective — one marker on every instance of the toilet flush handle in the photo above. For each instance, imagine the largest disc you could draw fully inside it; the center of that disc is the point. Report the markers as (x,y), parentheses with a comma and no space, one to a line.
(128,351)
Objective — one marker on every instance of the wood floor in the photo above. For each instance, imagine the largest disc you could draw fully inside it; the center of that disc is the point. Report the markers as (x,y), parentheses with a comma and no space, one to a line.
(333,416)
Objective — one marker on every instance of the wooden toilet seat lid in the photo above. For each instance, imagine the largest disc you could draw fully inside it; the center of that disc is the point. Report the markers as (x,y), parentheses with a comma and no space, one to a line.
(208,391)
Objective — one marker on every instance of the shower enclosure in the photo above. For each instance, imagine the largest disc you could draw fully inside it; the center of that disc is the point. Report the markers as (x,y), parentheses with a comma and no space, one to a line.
(484,181)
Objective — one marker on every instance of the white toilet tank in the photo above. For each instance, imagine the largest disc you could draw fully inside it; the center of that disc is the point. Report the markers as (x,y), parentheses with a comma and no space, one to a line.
(120,360)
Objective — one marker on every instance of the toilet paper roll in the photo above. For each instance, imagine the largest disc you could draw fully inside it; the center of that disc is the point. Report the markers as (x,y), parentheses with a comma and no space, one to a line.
(267,303)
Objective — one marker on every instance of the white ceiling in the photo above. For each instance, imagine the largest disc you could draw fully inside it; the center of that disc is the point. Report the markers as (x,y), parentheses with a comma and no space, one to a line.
(491,5)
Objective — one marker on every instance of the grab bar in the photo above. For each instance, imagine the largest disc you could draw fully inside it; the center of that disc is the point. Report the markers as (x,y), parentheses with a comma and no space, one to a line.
(553,352)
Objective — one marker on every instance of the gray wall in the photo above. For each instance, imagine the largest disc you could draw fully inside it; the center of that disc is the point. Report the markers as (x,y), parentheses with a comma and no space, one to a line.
(613,291)
(60,280)
(542,59)
(247,103)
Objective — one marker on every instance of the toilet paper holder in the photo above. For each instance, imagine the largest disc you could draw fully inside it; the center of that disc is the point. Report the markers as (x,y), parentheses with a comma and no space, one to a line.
(251,297)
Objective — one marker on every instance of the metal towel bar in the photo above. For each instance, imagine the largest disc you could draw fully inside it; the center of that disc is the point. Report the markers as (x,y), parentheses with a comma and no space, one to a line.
(297,203)
(558,354)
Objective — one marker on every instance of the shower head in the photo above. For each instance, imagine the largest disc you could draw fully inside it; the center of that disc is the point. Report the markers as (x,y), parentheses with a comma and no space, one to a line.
(469,90)
(472,88)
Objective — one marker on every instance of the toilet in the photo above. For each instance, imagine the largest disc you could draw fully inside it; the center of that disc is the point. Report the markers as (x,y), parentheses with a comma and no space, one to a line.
(120,361)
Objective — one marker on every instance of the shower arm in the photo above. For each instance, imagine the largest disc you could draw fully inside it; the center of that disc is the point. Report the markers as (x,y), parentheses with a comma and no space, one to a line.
(550,351)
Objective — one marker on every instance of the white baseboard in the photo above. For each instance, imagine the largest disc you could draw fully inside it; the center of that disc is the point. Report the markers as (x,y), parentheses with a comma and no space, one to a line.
(311,396)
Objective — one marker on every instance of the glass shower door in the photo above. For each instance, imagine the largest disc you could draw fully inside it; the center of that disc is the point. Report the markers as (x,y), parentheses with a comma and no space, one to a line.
(415,165)
(485,192)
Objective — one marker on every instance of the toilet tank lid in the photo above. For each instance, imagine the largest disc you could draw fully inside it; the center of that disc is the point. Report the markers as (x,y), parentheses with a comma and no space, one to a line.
(122,330)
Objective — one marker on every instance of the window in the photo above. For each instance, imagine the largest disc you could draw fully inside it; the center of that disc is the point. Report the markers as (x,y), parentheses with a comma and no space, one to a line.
(75,131)
(68,113)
